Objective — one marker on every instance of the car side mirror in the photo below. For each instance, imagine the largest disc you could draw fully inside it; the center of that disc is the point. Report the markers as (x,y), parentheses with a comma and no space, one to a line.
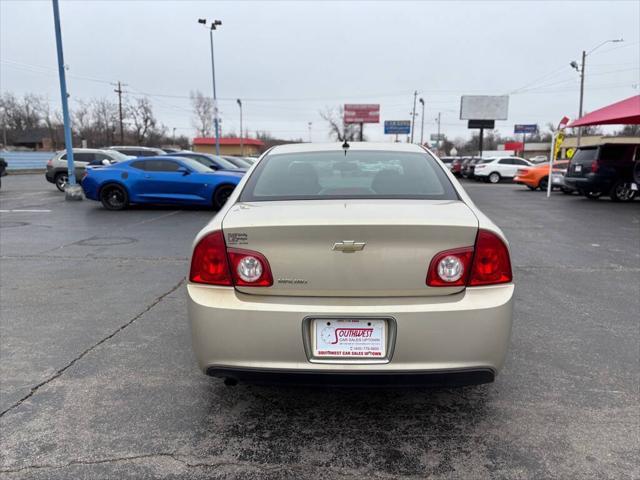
(184,170)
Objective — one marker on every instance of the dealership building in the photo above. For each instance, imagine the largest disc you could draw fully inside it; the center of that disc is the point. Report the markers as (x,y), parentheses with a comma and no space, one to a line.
(248,147)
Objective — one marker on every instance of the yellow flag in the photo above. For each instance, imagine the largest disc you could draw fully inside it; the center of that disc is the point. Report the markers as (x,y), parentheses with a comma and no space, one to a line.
(559,140)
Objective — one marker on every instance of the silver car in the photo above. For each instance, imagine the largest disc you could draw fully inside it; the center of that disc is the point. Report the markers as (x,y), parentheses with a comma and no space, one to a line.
(57,168)
(322,268)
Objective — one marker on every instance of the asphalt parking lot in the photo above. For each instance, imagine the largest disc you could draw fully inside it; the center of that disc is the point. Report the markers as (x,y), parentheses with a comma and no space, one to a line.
(99,381)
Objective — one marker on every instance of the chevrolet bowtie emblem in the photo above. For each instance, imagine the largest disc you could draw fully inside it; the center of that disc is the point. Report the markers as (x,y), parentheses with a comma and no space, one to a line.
(348,246)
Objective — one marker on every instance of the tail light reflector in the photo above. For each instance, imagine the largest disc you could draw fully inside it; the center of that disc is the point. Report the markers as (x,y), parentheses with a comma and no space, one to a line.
(213,264)
(487,263)
(491,262)
(209,262)
(595,166)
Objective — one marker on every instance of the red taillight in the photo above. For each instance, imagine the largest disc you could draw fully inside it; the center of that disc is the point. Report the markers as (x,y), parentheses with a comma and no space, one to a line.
(491,262)
(50,162)
(209,262)
(436,278)
(594,166)
(249,269)
(213,264)
(487,263)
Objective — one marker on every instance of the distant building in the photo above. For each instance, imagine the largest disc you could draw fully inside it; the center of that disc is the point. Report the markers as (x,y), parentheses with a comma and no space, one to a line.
(229,146)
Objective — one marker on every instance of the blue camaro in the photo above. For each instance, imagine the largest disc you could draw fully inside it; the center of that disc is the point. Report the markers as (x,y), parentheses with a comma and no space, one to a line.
(162,180)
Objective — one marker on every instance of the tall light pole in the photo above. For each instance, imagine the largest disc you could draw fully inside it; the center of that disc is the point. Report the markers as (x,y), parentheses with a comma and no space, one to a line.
(422,125)
(310,124)
(580,70)
(413,114)
(214,25)
(438,137)
(73,191)
(239,102)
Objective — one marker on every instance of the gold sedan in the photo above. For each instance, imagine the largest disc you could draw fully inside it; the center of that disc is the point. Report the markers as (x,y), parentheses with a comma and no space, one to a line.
(354,263)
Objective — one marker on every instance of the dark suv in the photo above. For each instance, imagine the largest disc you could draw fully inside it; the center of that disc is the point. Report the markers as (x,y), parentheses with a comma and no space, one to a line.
(607,169)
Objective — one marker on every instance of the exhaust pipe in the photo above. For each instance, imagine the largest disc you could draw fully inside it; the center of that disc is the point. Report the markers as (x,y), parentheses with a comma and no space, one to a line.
(230,381)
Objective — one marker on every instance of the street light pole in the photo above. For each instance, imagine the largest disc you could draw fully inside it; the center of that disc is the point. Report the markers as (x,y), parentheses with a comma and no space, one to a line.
(310,124)
(216,121)
(72,189)
(422,125)
(438,138)
(580,70)
(413,114)
(241,138)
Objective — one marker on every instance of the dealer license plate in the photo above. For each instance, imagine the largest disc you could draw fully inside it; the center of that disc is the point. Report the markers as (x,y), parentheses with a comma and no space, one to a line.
(352,338)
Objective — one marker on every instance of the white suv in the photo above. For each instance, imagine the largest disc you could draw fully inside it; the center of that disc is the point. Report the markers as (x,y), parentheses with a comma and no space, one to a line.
(495,169)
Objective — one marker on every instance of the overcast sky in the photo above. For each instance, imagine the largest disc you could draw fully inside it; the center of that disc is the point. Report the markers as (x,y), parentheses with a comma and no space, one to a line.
(288,60)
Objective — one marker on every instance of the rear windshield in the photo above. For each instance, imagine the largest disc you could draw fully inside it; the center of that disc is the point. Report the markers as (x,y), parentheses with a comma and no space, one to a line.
(358,174)
(584,155)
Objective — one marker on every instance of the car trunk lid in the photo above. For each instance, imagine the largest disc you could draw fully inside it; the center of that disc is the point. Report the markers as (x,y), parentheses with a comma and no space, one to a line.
(350,247)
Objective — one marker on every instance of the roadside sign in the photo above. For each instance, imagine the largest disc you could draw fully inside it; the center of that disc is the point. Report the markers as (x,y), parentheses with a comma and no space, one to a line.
(525,128)
(481,124)
(397,127)
(437,137)
(362,113)
(484,107)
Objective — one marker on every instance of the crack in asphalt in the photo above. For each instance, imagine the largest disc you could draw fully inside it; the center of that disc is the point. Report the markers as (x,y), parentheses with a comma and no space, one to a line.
(262,467)
(93,257)
(59,372)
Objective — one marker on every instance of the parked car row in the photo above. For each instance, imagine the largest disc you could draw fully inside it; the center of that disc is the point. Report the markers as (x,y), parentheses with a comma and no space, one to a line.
(57,171)
(611,170)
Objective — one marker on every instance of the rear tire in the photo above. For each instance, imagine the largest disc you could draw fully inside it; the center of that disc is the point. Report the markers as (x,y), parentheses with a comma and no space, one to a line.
(61,180)
(543,184)
(494,177)
(621,192)
(221,195)
(114,197)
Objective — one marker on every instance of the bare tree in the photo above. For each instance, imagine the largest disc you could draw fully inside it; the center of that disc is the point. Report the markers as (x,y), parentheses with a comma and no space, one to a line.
(338,130)
(202,113)
(104,118)
(144,122)
(81,120)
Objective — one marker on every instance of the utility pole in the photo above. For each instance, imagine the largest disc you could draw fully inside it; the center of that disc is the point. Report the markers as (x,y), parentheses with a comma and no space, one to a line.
(584,57)
(413,114)
(438,139)
(309,125)
(580,70)
(119,91)
(241,139)
(174,136)
(216,121)
(422,125)
(72,191)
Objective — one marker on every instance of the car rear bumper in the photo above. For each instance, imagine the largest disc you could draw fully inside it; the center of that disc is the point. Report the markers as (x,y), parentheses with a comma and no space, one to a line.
(444,378)
(588,184)
(442,336)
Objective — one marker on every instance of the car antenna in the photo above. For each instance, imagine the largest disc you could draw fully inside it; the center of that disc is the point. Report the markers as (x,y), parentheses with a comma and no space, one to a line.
(345,146)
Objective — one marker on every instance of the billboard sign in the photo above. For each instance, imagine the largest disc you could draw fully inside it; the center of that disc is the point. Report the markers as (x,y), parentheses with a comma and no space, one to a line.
(525,128)
(481,124)
(484,107)
(362,113)
(397,127)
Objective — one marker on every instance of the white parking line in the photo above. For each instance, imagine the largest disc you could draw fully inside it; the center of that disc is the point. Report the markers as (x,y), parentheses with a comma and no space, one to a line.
(25,211)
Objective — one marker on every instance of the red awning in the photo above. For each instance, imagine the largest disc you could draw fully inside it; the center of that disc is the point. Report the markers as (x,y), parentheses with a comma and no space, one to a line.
(625,112)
